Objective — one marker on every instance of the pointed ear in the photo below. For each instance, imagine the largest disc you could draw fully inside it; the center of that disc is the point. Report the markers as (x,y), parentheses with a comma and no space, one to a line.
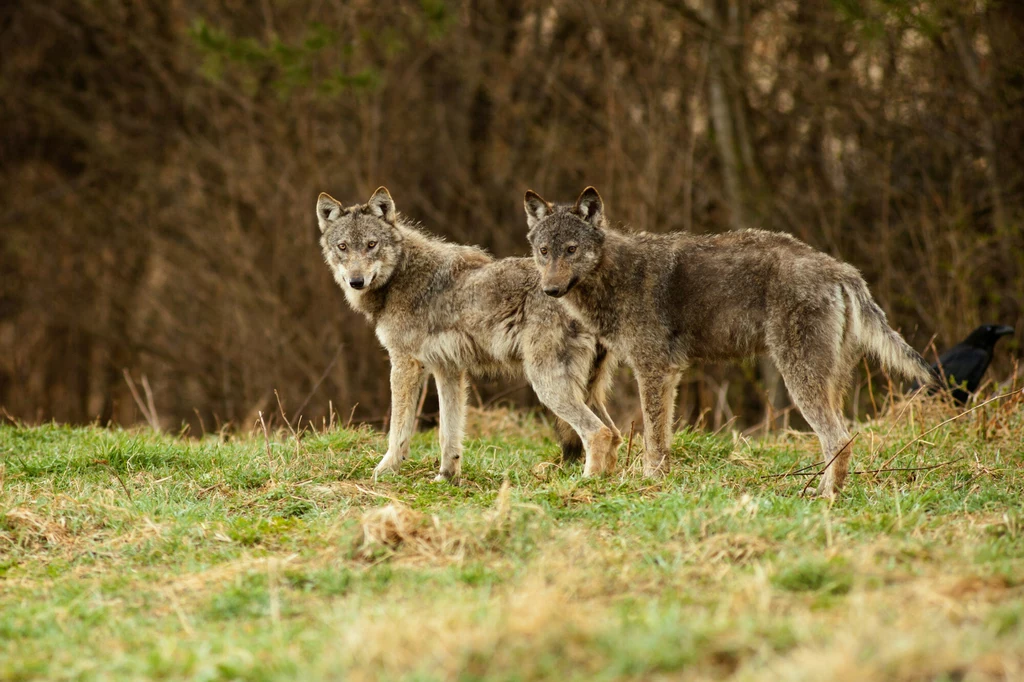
(590,207)
(327,209)
(536,208)
(382,205)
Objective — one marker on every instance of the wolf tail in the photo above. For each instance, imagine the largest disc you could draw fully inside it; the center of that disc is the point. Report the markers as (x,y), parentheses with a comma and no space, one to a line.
(882,341)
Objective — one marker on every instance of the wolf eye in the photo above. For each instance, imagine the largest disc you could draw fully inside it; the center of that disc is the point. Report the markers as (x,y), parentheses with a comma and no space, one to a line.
(371,245)
(543,250)
(570,249)
(342,246)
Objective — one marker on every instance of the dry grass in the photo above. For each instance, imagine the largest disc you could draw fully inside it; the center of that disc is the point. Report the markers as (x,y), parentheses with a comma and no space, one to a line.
(26,529)
(282,559)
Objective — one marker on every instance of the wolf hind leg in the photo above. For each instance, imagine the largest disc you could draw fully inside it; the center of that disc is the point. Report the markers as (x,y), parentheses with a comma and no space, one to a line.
(839,447)
(568,440)
(601,410)
(818,397)
(451,394)
(816,356)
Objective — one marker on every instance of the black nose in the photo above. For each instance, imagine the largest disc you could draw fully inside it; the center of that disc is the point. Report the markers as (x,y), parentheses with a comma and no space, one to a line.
(553,291)
(356,282)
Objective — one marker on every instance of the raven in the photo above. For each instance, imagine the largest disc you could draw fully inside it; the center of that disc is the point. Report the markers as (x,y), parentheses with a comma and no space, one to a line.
(964,364)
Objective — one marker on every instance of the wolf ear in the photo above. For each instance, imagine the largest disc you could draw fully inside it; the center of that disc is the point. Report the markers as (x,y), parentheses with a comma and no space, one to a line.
(536,208)
(590,207)
(327,209)
(382,205)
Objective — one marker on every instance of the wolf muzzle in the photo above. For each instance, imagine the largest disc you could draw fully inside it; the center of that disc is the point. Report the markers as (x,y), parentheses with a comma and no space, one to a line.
(558,292)
(357,283)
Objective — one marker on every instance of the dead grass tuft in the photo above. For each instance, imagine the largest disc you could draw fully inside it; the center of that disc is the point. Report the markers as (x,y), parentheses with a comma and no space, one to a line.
(733,548)
(395,530)
(994,588)
(25,528)
(504,422)
(521,627)
(393,525)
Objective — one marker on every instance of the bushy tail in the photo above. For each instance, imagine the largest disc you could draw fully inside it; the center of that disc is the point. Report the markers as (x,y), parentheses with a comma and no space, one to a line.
(885,343)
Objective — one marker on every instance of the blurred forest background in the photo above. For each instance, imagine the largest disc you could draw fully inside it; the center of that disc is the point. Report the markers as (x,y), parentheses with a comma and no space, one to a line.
(160,162)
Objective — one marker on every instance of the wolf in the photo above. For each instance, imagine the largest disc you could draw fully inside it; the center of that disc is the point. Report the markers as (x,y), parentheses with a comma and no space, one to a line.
(453,311)
(663,301)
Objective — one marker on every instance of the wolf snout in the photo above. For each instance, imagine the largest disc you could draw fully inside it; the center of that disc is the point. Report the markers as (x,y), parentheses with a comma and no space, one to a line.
(357,282)
(559,291)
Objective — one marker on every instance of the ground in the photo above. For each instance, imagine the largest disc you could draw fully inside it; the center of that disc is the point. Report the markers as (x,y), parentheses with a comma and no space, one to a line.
(131,554)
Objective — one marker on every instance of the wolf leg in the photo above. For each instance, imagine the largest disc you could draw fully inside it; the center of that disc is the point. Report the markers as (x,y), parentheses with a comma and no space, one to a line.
(606,419)
(569,441)
(817,400)
(657,398)
(451,393)
(835,447)
(597,388)
(816,354)
(599,385)
(557,392)
(836,436)
(406,381)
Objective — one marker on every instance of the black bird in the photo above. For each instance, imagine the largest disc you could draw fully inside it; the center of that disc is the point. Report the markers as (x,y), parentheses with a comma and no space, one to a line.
(964,364)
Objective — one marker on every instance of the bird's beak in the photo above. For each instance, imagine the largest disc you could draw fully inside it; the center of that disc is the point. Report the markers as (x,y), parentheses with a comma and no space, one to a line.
(1004,331)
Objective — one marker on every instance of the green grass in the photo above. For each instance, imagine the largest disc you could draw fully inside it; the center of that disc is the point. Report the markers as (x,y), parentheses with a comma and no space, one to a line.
(130,554)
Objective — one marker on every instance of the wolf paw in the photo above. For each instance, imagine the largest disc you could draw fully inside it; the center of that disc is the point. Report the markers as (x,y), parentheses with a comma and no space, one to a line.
(831,483)
(601,467)
(388,464)
(658,470)
(602,454)
(443,477)
(826,488)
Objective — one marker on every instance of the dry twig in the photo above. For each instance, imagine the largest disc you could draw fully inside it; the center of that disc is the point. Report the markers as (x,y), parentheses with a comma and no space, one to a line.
(147,407)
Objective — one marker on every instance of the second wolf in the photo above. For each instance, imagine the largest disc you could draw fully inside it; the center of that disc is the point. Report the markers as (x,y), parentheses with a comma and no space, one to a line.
(661,302)
(452,310)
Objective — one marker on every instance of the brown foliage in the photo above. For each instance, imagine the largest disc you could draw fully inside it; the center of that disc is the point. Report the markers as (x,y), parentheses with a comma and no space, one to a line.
(159,165)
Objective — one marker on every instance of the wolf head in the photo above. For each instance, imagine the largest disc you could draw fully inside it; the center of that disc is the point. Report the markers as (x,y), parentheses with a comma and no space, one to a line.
(567,241)
(362,244)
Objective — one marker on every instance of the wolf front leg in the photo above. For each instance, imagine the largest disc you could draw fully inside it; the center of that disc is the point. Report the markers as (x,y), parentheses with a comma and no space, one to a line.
(600,383)
(451,394)
(657,398)
(406,381)
(558,393)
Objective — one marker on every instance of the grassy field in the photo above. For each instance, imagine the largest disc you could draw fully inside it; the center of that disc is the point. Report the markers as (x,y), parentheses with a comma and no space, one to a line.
(130,554)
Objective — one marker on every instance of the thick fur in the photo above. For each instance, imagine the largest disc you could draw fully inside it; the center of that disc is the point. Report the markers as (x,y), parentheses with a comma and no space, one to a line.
(451,311)
(661,302)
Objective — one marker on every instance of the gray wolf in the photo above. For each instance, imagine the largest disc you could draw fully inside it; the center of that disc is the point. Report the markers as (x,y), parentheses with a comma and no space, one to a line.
(451,311)
(661,302)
